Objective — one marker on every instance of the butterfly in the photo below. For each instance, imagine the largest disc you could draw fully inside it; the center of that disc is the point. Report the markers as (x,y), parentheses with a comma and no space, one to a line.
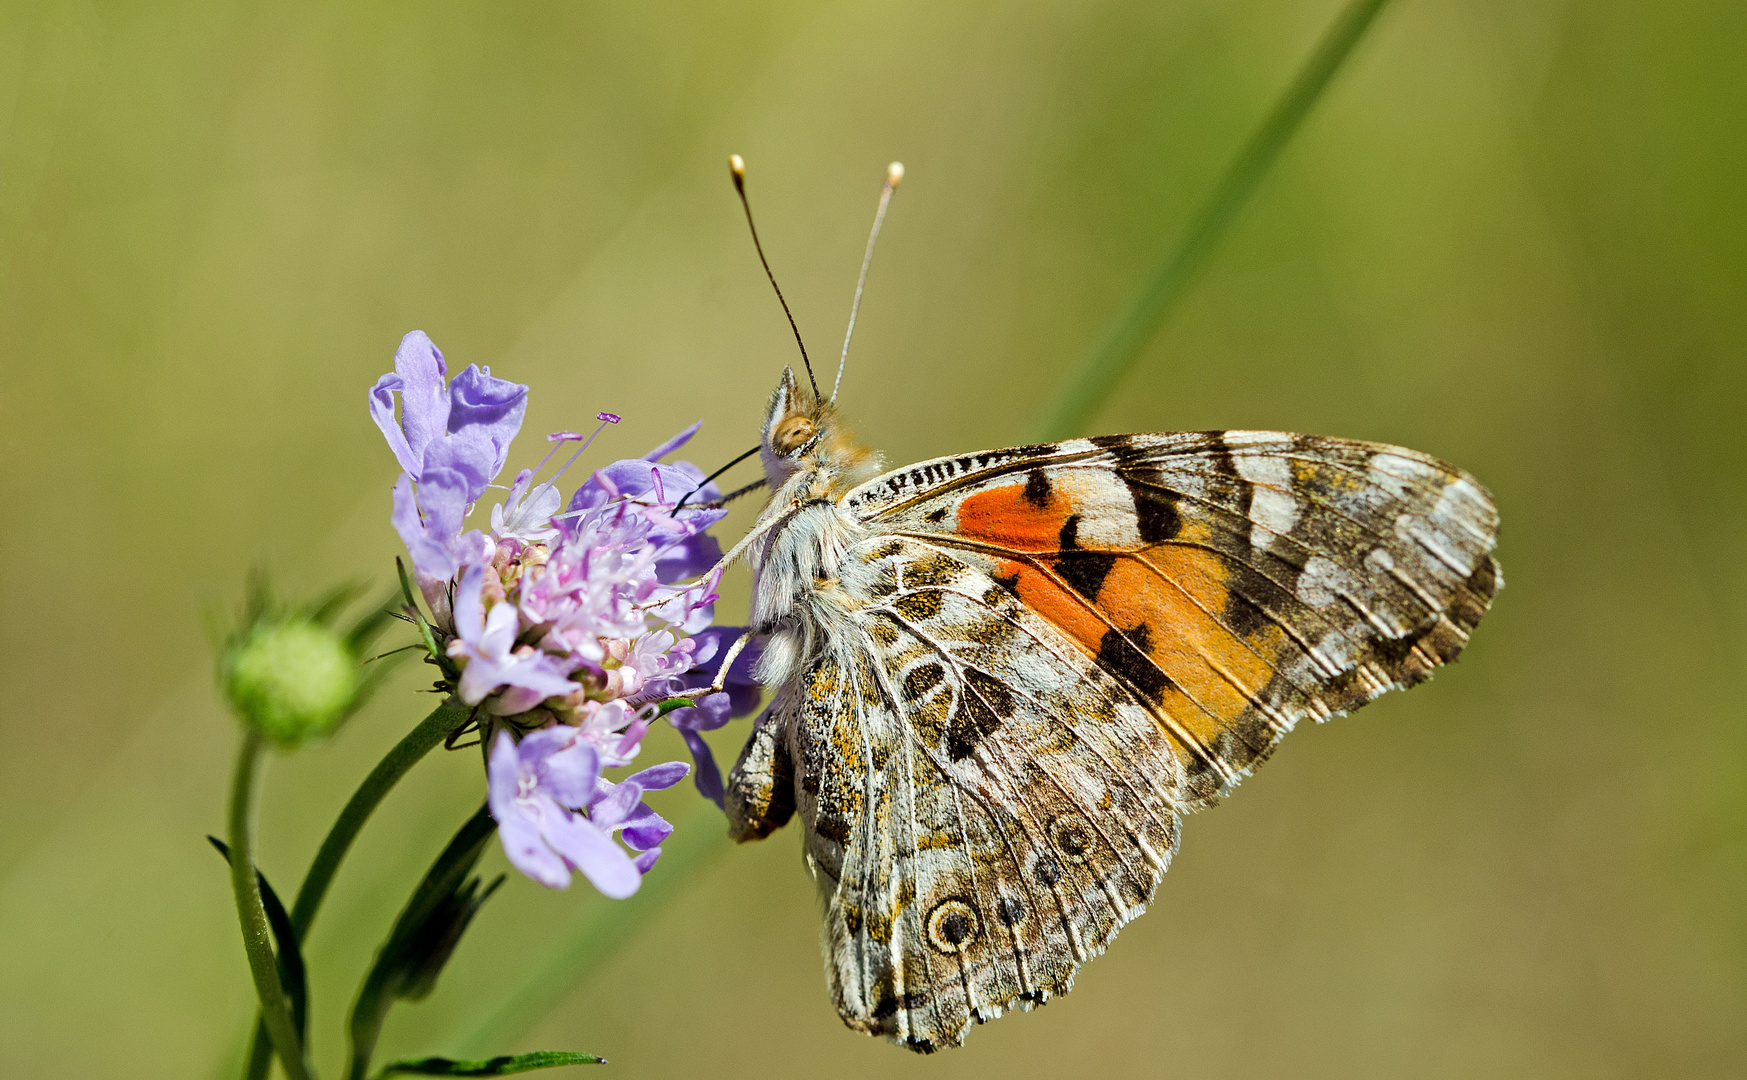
(1001,679)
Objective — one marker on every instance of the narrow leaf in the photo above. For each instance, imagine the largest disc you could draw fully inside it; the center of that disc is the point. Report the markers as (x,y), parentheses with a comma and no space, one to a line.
(423,938)
(497,1066)
(327,607)
(291,971)
(365,630)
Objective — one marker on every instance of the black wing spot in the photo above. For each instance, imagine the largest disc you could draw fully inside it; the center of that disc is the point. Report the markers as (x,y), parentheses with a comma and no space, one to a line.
(982,708)
(1047,871)
(1156,515)
(1037,489)
(1241,612)
(951,926)
(937,516)
(1122,655)
(1071,838)
(1394,652)
(885,997)
(832,827)
(1123,448)
(1084,570)
(1070,534)
(921,679)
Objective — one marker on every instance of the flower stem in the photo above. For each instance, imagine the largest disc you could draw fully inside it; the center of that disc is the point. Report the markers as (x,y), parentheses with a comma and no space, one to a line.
(1113,354)
(257,938)
(418,742)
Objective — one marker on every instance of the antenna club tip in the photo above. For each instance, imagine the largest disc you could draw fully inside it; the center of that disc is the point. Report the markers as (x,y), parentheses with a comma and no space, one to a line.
(737,166)
(895,173)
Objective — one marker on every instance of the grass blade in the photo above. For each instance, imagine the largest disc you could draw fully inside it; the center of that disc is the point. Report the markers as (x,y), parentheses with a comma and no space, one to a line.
(1114,353)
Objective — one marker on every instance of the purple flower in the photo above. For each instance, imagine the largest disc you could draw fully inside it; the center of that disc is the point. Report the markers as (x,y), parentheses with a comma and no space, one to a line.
(555,814)
(567,619)
(684,549)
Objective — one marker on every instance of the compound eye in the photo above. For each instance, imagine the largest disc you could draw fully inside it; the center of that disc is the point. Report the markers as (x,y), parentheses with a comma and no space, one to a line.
(792,434)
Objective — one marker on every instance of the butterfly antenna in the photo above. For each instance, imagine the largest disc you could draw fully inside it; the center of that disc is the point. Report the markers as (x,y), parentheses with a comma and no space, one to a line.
(894,174)
(706,480)
(737,166)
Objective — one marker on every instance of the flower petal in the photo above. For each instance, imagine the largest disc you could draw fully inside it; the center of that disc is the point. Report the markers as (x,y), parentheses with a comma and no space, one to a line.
(572,773)
(487,408)
(430,555)
(645,829)
(527,850)
(673,444)
(517,830)
(472,459)
(615,806)
(502,775)
(424,403)
(382,411)
(646,861)
(709,777)
(591,851)
(660,777)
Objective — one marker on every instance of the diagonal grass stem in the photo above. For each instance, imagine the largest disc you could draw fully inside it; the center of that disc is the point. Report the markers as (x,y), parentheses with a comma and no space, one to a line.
(1111,357)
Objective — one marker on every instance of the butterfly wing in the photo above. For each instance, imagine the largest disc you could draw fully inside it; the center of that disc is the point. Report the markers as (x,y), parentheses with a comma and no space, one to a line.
(1042,655)
(984,804)
(1235,582)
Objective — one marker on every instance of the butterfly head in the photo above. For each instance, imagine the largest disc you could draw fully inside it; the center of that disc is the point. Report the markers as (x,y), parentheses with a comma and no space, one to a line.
(803,434)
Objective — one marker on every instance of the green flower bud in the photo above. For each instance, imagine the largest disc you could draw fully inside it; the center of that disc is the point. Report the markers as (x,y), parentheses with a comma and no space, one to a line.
(291,678)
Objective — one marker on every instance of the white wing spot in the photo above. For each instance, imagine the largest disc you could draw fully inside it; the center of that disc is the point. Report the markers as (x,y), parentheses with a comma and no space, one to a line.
(1320,581)
(1273,510)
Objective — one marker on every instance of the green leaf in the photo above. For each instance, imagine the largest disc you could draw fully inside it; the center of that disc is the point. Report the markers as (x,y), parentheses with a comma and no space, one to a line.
(424,936)
(371,624)
(327,607)
(291,971)
(497,1066)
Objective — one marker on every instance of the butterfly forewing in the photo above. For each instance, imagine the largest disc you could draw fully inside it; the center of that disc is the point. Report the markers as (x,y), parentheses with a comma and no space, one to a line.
(1236,582)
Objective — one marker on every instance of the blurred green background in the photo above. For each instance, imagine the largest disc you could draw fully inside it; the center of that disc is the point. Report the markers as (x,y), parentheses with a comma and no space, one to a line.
(1513,235)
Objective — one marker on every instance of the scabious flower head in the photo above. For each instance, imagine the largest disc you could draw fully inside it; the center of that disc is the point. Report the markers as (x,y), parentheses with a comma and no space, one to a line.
(567,622)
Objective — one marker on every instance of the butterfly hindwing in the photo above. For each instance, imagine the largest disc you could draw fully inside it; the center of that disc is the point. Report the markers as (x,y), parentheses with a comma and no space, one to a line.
(1236,582)
(985,806)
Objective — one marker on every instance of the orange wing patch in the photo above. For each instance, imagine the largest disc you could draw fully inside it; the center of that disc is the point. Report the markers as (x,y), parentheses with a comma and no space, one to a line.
(1150,613)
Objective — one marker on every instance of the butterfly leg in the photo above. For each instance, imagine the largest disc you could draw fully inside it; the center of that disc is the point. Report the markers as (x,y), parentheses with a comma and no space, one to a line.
(721,680)
(734,553)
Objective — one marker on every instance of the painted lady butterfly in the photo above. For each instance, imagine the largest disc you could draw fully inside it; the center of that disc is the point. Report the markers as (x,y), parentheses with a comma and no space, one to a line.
(1002,678)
